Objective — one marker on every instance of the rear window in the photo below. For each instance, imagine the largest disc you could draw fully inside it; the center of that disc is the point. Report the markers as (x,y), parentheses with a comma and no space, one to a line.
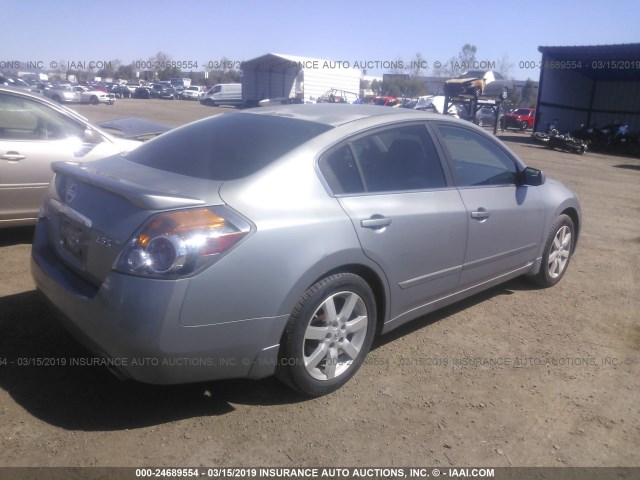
(225,147)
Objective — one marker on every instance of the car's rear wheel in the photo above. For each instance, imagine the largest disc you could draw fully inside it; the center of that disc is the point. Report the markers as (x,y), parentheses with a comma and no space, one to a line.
(328,335)
(94,100)
(557,252)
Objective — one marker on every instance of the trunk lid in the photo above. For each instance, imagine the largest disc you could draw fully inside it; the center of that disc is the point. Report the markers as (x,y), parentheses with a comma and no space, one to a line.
(93,209)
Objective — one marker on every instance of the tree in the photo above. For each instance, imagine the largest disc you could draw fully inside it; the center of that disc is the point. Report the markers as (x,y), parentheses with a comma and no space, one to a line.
(376,86)
(417,65)
(125,72)
(504,66)
(110,69)
(529,96)
(465,60)
(161,67)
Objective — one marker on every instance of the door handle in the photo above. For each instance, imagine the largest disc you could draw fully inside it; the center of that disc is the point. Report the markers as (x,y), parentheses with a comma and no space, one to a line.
(376,223)
(480,215)
(12,156)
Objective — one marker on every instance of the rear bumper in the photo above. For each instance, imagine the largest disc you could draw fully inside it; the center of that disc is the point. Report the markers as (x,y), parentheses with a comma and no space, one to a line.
(134,323)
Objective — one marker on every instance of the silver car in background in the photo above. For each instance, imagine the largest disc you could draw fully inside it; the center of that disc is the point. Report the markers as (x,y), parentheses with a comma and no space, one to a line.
(281,240)
(34,132)
(63,94)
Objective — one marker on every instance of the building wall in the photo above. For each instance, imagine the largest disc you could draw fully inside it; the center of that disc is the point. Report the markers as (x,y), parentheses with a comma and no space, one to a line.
(589,95)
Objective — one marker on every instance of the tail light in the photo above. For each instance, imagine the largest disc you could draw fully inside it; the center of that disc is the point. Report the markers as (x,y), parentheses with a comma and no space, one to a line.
(181,243)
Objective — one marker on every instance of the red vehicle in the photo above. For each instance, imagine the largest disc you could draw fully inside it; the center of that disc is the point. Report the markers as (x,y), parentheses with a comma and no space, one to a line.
(385,101)
(521,118)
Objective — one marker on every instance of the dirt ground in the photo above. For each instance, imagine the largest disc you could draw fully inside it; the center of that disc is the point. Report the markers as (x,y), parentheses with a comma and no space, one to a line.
(516,376)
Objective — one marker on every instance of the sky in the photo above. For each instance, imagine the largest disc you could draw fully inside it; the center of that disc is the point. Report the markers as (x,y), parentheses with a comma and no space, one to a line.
(372,33)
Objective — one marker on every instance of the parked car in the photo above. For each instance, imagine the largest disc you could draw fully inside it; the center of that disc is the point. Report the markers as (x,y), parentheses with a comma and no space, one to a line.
(193,93)
(280,240)
(34,132)
(134,128)
(94,97)
(14,82)
(479,83)
(142,92)
(225,94)
(159,90)
(63,94)
(385,101)
(521,118)
(120,91)
(435,103)
(486,116)
(338,96)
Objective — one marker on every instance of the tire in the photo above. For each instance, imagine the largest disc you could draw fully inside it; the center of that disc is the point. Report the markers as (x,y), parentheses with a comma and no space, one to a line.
(56,98)
(209,103)
(94,100)
(328,335)
(557,252)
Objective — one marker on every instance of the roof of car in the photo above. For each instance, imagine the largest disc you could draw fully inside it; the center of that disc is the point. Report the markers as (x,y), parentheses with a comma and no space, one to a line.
(338,114)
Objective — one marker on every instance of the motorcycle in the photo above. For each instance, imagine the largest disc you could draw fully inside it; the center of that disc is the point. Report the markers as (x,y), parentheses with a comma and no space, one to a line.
(554,140)
(615,136)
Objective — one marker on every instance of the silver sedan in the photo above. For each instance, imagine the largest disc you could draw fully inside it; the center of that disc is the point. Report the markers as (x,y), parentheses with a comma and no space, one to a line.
(34,132)
(281,240)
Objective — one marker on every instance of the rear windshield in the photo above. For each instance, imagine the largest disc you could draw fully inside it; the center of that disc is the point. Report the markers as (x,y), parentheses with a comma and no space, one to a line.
(225,147)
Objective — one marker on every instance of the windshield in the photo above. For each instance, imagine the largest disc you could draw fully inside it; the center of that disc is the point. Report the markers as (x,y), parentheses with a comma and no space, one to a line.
(225,147)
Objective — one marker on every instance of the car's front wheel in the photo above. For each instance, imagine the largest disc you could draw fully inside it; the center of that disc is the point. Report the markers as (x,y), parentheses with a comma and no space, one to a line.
(328,335)
(557,252)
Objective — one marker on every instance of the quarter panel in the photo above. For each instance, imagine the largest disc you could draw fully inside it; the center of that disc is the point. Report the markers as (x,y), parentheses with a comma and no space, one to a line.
(301,233)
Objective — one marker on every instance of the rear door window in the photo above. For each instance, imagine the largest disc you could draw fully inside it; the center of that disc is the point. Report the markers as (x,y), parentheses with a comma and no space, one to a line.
(391,160)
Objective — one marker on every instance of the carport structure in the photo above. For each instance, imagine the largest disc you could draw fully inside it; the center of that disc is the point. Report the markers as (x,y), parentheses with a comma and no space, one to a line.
(589,85)
(289,76)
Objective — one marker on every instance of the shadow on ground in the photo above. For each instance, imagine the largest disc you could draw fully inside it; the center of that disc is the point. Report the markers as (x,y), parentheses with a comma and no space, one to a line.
(16,236)
(91,398)
(628,166)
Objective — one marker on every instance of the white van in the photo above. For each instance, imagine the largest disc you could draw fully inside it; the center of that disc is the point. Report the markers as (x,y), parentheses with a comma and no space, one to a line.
(223,94)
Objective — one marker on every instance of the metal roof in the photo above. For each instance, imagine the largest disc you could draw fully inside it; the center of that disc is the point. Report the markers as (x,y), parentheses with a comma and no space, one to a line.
(599,62)
(280,61)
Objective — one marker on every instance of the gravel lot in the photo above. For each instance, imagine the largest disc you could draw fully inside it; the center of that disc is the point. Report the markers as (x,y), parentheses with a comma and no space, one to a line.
(516,376)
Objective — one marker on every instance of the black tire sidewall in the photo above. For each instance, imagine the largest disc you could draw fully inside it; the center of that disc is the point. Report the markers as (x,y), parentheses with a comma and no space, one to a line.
(291,367)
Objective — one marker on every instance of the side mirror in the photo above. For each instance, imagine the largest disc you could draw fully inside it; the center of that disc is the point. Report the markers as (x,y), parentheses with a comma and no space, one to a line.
(92,136)
(533,177)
